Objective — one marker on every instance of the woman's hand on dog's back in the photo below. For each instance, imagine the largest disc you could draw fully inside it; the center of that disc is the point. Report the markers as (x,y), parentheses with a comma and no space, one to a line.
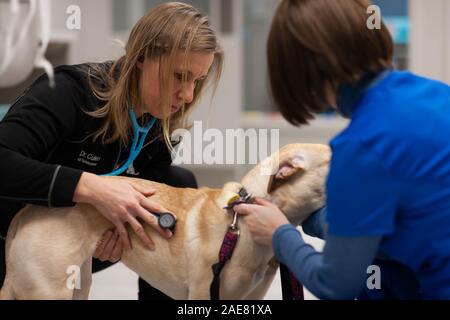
(121,202)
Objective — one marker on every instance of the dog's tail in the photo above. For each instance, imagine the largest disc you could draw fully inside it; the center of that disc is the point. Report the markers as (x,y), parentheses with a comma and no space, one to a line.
(7,292)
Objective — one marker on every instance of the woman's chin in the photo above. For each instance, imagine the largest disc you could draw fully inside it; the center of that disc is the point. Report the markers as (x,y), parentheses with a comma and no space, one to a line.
(158,115)
(164,115)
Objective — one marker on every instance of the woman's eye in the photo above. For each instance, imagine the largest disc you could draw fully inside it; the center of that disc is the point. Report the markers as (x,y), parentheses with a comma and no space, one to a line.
(198,81)
(179,76)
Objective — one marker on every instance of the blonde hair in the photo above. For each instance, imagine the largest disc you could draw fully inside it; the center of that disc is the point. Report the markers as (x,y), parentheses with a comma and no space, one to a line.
(160,34)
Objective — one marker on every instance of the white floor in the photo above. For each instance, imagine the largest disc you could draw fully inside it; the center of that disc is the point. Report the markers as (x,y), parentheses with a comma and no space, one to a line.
(120,283)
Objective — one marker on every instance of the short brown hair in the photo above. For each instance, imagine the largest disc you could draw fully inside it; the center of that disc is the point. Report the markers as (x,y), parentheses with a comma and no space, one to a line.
(318,43)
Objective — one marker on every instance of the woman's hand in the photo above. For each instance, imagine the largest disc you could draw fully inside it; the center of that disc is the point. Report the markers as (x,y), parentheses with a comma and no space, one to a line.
(121,202)
(262,218)
(109,247)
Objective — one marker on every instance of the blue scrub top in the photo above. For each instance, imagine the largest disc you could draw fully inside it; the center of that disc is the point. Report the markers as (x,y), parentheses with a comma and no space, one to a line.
(390,175)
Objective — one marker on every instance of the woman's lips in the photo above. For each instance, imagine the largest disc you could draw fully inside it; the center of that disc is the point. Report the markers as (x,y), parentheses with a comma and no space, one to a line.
(174,109)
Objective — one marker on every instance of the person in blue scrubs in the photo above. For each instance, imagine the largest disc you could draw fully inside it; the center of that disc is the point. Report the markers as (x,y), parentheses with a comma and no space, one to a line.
(387,217)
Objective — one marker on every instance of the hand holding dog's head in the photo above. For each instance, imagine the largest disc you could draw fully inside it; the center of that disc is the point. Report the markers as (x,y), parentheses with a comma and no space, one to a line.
(293,178)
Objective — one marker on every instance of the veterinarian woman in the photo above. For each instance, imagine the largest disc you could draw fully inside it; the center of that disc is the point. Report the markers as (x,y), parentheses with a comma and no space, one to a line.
(388,189)
(55,144)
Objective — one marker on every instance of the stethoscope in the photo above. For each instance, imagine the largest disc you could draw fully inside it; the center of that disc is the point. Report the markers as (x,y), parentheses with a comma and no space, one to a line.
(140,133)
(166,220)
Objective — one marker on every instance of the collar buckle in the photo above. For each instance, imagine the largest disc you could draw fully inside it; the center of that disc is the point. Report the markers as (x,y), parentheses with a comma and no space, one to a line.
(242,197)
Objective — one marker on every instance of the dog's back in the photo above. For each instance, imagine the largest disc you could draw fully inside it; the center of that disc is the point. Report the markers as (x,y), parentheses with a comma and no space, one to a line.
(42,243)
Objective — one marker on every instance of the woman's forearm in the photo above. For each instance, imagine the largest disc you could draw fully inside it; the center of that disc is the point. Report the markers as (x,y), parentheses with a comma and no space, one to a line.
(333,274)
(30,181)
(315,225)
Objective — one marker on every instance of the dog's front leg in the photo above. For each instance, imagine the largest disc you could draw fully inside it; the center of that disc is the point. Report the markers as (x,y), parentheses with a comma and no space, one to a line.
(200,290)
(261,289)
(200,283)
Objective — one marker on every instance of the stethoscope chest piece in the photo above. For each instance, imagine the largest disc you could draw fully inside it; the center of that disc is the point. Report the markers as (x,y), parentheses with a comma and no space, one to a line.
(166,220)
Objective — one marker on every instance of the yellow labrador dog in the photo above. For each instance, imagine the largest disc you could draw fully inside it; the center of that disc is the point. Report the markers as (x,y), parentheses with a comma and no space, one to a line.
(44,244)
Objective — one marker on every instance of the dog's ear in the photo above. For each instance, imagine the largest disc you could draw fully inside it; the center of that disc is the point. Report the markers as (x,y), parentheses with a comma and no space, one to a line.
(287,169)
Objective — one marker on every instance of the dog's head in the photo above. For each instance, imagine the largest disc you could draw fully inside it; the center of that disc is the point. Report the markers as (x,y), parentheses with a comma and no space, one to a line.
(293,178)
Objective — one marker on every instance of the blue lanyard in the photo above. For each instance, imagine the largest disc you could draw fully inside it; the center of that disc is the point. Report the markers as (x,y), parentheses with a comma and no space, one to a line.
(140,134)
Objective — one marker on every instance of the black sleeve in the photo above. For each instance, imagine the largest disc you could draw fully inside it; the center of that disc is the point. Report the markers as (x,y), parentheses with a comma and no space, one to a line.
(29,132)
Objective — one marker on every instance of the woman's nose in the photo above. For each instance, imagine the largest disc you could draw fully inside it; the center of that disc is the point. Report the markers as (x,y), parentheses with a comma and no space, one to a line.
(187,92)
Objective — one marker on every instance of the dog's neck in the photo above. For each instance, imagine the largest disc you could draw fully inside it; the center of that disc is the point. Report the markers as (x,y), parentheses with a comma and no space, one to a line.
(259,190)
(249,253)
(234,189)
